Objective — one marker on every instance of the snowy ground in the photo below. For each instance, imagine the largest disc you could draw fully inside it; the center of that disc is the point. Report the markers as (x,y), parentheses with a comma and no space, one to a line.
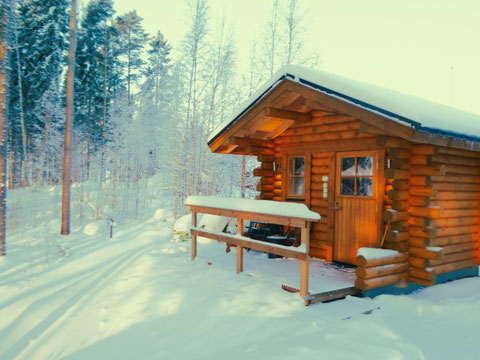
(138,296)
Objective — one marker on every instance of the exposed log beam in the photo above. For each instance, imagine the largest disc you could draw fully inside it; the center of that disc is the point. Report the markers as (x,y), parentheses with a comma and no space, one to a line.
(249,115)
(251,142)
(427,138)
(344,107)
(287,114)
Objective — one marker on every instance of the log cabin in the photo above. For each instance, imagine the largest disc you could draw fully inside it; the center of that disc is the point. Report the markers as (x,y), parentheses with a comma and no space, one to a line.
(383,169)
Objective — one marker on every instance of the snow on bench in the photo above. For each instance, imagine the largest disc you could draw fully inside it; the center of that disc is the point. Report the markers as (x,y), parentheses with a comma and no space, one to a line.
(266,207)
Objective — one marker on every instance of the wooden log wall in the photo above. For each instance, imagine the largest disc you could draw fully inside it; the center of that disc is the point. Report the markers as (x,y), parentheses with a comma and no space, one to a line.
(302,138)
(320,246)
(397,192)
(270,183)
(444,211)
(378,272)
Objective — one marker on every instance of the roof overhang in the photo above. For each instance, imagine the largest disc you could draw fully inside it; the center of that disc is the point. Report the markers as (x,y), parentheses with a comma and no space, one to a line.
(287,98)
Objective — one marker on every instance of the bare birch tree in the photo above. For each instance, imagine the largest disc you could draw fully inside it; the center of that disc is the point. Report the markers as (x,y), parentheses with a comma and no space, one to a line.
(68,121)
(272,40)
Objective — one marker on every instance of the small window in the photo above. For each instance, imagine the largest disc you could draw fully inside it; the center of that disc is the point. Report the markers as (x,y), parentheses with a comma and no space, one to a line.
(356,176)
(296,177)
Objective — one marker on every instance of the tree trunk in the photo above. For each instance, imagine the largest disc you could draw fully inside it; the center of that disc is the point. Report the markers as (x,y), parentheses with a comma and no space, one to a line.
(68,121)
(22,115)
(45,152)
(3,121)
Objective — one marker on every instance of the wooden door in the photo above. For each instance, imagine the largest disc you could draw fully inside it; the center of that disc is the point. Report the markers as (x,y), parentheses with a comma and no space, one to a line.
(356,205)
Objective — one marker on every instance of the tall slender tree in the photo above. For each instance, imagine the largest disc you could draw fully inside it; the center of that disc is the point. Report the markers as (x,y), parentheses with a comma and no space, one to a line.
(4,15)
(90,80)
(69,119)
(133,38)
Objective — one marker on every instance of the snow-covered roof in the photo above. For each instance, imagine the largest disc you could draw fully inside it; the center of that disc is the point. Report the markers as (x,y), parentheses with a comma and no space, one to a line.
(420,114)
(257,206)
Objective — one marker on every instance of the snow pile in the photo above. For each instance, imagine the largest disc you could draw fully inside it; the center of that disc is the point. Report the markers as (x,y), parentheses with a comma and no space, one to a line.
(164,215)
(372,253)
(91,229)
(138,296)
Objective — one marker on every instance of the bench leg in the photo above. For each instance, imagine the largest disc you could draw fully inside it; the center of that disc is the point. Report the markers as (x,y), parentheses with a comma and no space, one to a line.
(194,237)
(239,248)
(239,259)
(304,264)
(304,277)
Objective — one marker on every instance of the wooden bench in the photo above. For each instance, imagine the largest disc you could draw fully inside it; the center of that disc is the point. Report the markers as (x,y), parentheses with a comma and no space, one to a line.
(301,253)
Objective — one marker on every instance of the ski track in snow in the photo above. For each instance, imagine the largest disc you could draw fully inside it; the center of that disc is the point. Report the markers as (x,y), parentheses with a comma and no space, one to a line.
(138,296)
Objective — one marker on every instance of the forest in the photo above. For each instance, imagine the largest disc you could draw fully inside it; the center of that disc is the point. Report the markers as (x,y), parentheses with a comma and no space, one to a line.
(140,115)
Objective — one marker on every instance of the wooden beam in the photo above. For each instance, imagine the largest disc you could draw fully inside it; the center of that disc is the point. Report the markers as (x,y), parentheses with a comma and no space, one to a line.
(305,264)
(194,237)
(358,144)
(333,295)
(249,115)
(251,142)
(344,107)
(434,139)
(287,114)
(239,247)
(233,240)
(251,215)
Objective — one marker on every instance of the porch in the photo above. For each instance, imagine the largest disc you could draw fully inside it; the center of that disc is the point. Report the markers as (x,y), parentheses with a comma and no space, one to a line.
(316,280)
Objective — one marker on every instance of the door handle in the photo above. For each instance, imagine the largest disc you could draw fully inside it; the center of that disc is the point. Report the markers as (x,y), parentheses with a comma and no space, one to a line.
(337,207)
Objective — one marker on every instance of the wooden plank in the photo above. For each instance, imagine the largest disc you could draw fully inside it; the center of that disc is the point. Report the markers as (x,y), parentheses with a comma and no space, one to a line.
(287,114)
(331,206)
(359,144)
(250,215)
(251,142)
(305,263)
(235,241)
(333,295)
(239,247)
(427,138)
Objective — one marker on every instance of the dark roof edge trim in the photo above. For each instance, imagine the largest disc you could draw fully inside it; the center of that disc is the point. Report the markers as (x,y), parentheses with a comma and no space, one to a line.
(254,102)
(451,134)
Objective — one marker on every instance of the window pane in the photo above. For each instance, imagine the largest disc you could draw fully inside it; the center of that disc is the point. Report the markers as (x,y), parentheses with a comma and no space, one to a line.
(297,166)
(365,166)
(364,186)
(347,186)
(348,167)
(295,186)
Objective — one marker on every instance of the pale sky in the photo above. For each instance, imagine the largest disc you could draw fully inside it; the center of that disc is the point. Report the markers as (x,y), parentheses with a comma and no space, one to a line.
(407,45)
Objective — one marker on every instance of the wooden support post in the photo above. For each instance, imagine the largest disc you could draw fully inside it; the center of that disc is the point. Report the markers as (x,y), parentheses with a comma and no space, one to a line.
(304,264)
(194,237)
(239,248)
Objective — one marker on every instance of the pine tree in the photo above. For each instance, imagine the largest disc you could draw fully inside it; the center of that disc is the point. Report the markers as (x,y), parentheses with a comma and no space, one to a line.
(69,120)
(40,30)
(93,43)
(132,40)
(43,43)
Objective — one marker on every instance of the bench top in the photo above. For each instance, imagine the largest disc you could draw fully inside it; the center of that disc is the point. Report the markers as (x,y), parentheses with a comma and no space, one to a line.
(266,207)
